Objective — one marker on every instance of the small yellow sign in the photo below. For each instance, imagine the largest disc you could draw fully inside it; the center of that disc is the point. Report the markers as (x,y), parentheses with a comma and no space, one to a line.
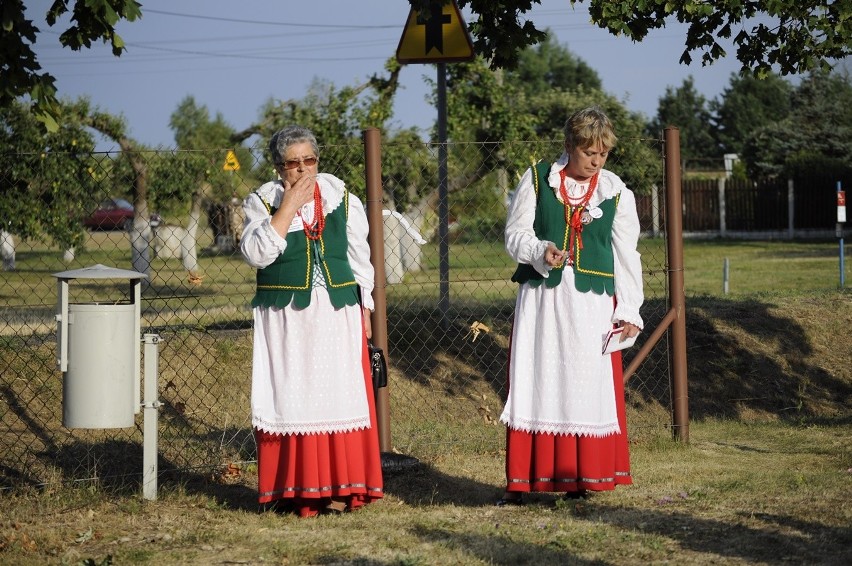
(231,163)
(436,37)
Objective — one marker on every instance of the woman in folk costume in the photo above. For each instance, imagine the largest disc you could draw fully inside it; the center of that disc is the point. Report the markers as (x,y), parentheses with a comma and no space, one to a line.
(312,399)
(572,227)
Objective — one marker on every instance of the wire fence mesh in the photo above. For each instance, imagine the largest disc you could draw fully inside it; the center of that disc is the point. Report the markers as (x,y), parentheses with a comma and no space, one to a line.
(447,361)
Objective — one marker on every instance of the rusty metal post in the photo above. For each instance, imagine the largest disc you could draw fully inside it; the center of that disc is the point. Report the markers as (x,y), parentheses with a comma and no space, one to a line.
(677,296)
(379,320)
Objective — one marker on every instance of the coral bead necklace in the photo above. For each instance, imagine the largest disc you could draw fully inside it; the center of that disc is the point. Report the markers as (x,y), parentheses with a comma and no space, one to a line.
(314,231)
(575,214)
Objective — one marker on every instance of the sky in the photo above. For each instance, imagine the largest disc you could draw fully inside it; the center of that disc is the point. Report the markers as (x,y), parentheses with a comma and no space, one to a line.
(233,57)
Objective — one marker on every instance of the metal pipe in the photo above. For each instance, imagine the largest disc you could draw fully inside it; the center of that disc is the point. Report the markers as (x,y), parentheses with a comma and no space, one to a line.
(677,296)
(376,238)
(151,413)
(443,204)
(649,344)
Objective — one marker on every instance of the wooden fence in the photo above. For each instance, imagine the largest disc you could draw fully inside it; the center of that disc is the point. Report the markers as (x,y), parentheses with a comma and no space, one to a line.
(782,208)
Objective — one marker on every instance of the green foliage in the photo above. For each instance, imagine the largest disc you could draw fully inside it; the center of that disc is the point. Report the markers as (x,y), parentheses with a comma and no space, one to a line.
(22,73)
(484,106)
(481,213)
(633,159)
(801,35)
(48,183)
(497,32)
(686,108)
(335,115)
(551,65)
(194,129)
(95,19)
(748,103)
(819,126)
(406,163)
(189,172)
(738,170)
(487,106)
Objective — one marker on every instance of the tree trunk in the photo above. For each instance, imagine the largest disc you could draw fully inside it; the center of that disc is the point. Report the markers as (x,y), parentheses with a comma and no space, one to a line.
(7,250)
(190,241)
(140,248)
(140,233)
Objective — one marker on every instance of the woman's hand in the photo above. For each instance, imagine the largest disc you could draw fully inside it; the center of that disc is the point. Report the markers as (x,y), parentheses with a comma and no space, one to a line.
(630,330)
(295,196)
(553,256)
(299,193)
(368,324)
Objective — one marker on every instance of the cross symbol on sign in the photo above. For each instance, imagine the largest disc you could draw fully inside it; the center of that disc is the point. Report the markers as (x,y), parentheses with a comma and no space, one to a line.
(434,27)
(437,34)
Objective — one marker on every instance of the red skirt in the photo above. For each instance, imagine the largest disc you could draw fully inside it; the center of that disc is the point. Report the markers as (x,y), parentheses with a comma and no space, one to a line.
(570,463)
(306,470)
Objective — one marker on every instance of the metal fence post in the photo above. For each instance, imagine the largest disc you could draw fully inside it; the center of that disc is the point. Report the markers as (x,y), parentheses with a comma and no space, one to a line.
(674,225)
(379,320)
(791,209)
(151,408)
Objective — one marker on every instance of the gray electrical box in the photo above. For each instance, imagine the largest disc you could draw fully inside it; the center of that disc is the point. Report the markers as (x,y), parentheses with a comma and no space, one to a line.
(98,352)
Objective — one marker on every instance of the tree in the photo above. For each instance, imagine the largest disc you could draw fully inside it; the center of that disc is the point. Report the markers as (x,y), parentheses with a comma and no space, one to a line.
(48,180)
(746,105)
(52,181)
(815,135)
(22,74)
(512,125)
(686,108)
(803,34)
(550,65)
(337,116)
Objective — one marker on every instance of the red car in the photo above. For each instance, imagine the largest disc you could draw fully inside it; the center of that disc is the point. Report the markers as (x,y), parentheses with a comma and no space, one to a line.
(114,214)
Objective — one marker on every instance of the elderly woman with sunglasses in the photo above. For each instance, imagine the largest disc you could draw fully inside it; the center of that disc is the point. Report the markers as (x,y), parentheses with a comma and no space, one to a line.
(312,402)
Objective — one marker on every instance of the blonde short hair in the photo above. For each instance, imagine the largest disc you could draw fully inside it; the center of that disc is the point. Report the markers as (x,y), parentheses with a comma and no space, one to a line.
(586,127)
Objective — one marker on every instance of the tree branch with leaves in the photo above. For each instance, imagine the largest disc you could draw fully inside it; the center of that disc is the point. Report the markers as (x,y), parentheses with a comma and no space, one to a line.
(796,35)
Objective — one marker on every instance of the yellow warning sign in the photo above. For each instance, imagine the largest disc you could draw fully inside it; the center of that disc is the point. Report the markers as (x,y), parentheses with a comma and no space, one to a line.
(231,163)
(437,36)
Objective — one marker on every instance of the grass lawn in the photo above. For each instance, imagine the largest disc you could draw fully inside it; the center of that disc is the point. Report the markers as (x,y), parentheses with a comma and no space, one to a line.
(738,493)
(766,476)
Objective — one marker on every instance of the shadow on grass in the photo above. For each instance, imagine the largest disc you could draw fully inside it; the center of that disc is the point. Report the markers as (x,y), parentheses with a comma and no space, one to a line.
(783,540)
(423,485)
(498,549)
(743,358)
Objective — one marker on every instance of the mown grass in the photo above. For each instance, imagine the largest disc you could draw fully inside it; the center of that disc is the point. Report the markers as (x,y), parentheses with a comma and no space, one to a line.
(766,476)
(738,493)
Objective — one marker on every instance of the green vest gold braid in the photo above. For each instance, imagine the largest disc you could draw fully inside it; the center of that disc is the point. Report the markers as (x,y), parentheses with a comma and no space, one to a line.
(291,276)
(594,262)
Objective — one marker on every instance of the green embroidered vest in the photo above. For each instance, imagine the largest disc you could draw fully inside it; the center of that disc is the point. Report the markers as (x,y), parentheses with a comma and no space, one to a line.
(593,263)
(291,275)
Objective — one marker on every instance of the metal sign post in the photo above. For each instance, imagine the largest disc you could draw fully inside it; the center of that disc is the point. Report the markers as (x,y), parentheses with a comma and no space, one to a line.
(439,36)
(841,219)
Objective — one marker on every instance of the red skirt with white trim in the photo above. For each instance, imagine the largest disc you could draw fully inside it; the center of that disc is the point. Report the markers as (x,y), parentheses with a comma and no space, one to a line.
(571,463)
(306,470)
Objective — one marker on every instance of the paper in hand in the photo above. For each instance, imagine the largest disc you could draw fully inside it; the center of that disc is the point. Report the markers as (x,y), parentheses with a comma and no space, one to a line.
(612,341)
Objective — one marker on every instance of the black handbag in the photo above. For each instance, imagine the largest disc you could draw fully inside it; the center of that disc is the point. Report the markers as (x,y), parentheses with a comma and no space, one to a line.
(378,367)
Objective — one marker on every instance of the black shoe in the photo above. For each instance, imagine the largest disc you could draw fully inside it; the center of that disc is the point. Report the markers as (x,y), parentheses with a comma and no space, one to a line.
(575,494)
(504,501)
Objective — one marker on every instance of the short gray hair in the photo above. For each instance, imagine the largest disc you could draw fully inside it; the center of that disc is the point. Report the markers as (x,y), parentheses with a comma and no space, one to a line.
(287,136)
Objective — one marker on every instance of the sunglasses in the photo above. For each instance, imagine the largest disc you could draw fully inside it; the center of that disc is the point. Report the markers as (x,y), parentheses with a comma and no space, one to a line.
(293,163)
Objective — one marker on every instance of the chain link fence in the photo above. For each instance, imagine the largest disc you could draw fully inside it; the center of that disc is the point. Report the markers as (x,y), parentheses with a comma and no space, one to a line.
(447,362)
